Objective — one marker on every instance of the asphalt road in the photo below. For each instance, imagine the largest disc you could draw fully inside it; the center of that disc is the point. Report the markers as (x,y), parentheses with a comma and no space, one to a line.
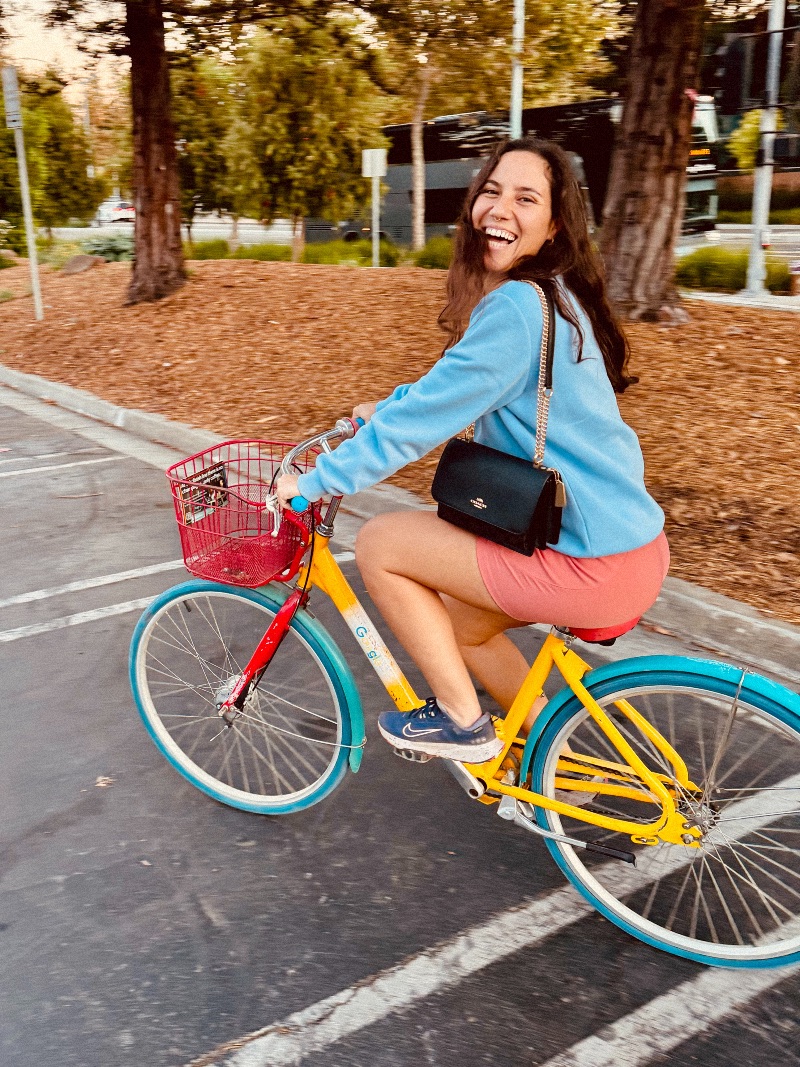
(142,923)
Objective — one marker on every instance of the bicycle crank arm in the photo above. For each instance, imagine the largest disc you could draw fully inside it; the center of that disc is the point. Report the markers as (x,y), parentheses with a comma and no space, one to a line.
(509,808)
(468,782)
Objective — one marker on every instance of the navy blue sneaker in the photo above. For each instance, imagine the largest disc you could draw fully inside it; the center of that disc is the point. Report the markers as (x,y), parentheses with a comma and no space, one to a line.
(430,730)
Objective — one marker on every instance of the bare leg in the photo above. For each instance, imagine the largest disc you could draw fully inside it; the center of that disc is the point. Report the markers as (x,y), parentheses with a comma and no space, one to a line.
(409,561)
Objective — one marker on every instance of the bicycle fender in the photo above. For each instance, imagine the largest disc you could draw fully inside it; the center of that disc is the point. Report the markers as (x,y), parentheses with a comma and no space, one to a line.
(636,670)
(352,698)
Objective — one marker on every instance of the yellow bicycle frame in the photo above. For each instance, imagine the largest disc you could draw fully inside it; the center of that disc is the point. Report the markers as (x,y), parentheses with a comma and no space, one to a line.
(668,825)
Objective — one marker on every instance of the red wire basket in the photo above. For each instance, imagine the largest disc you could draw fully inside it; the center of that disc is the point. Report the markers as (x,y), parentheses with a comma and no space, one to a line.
(227,534)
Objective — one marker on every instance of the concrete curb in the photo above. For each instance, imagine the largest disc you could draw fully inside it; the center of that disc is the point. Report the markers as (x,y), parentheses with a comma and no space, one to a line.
(763,303)
(711,622)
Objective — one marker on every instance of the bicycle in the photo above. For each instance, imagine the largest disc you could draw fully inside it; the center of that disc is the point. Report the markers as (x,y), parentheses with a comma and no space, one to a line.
(684,773)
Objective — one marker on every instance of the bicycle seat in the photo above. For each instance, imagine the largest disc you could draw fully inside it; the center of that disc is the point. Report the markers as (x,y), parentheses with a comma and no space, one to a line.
(604,635)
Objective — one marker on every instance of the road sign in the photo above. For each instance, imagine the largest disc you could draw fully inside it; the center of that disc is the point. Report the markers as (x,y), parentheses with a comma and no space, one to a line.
(11,98)
(373,162)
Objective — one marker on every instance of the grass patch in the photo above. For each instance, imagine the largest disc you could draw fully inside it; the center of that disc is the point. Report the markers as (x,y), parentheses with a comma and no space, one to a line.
(264,253)
(782,217)
(56,253)
(725,270)
(351,253)
(6,294)
(436,254)
(216,249)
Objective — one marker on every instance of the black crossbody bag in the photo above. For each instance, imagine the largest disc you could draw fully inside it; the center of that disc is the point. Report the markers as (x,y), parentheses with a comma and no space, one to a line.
(511,501)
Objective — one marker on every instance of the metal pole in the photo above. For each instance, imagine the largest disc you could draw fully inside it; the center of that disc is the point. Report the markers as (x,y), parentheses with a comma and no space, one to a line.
(33,262)
(762,185)
(376,220)
(515,116)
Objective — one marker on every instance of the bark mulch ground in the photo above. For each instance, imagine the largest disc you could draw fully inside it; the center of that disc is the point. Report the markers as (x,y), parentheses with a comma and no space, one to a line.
(279,351)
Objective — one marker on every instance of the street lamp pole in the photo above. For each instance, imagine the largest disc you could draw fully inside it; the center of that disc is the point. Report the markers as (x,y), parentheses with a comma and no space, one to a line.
(762,185)
(515,117)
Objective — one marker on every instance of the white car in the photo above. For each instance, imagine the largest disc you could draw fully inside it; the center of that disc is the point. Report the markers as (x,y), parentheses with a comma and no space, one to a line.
(114,211)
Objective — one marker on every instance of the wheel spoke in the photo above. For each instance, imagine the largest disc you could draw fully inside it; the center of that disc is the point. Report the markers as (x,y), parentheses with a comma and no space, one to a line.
(736,896)
(285,742)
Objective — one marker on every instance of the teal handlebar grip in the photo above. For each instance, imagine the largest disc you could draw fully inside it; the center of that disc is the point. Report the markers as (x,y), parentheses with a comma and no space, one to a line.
(299,504)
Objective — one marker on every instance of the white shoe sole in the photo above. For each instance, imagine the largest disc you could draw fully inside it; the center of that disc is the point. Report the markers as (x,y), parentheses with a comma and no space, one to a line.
(461,753)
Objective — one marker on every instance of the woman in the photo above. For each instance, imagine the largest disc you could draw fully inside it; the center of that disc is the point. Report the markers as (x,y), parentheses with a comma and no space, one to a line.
(448,596)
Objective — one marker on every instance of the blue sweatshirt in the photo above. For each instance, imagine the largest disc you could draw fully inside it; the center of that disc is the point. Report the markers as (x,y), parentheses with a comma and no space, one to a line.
(489,377)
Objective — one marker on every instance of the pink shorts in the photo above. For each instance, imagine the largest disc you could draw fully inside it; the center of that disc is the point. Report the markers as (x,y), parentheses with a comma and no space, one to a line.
(562,590)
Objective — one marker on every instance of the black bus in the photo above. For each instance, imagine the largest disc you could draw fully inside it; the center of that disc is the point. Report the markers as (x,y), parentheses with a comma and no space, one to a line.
(454,144)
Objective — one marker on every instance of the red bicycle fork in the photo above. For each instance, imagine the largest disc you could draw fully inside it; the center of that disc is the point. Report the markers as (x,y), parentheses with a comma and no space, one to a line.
(262,657)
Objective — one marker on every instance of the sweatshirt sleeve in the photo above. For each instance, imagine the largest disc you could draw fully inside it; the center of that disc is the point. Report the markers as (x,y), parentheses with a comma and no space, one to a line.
(397,394)
(488,368)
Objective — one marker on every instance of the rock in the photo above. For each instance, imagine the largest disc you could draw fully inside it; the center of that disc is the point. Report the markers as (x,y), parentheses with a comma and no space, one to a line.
(8,253)
(673,315)
(81,263)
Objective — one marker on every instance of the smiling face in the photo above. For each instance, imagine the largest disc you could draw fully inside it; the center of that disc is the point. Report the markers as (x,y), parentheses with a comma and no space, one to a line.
(513,210)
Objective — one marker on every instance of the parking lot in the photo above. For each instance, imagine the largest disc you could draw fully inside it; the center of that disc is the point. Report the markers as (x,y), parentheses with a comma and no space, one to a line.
(396,923)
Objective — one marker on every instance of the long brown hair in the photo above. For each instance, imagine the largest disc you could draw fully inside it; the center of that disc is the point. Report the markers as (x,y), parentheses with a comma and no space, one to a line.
(569,254)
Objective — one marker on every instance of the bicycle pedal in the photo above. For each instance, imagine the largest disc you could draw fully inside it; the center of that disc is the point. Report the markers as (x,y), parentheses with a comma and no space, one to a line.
(414,757)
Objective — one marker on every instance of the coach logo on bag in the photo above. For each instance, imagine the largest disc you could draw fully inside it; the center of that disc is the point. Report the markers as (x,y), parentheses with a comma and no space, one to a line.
(478,503)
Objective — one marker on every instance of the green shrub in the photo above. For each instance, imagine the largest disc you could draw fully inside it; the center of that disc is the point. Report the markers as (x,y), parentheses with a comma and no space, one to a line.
(742,199)
(263,253)
(436,254)
(113,247)
(725,270)
(216,249)
(782,217)
(353,253)
(56,253)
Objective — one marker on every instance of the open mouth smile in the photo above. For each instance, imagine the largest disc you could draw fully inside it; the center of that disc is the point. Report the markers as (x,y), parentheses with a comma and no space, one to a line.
(497,236)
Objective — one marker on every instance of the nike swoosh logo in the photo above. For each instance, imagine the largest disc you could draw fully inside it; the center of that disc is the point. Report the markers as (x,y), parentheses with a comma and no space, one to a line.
(409,731)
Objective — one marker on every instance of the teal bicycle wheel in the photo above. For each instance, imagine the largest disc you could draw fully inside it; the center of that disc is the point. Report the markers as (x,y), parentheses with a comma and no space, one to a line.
(299,728)
(735,901)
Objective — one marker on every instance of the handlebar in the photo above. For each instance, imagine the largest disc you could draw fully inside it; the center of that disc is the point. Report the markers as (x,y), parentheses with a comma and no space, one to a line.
(342,431)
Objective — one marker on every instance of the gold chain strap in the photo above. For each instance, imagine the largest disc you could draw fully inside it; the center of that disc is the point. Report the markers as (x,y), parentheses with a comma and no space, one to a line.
(543,394)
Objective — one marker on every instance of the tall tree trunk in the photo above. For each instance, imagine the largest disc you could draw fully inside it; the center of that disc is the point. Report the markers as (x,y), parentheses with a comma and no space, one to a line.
(418,160)
(298,238)
(233,240)
(647,184)
(158,258)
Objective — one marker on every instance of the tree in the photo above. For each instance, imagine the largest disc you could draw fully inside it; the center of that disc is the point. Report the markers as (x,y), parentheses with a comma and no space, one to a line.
(307,108)
(111,132)
(455,55)
(137,28)
(646,198)
(202,112)
(158,256)
(57,154)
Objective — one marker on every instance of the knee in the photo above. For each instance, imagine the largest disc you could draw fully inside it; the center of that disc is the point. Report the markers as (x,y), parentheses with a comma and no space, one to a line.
(373,544)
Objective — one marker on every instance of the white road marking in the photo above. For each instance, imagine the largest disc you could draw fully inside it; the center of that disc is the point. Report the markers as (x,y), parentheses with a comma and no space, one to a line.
(290,1041)
(90,583)
(80,617)
(42,455)
(59,466)
(77,619)
(669,1020)
(313,1029)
